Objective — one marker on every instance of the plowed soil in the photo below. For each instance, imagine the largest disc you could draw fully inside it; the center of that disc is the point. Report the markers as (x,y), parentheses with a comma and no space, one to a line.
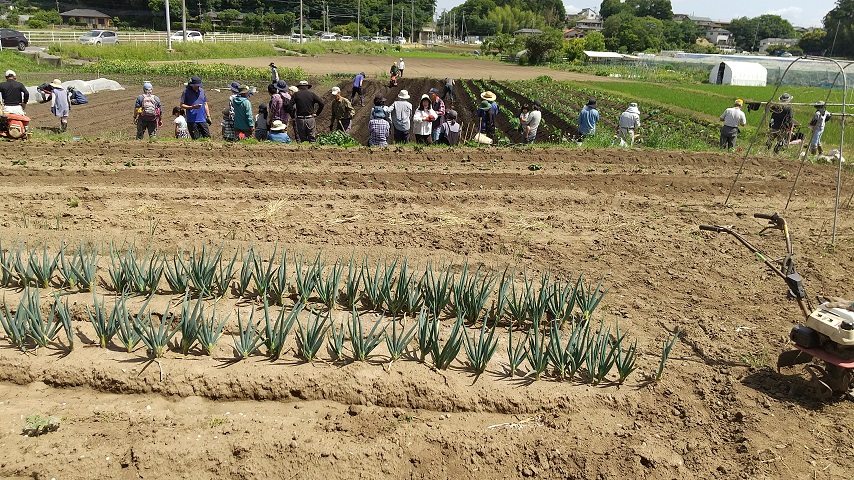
(720,411)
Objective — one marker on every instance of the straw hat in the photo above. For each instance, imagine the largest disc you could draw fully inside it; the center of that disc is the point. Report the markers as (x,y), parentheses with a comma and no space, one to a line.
(56,83)
(278,126)
(403,95)
(488,96)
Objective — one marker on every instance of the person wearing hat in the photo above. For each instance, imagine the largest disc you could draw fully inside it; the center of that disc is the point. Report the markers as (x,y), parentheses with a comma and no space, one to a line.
(357,88)
(422,121)
(588,118)
(244,122)
(401,115)
(305,100)
(400,66)
(450,131)
(342,112)
(195,103)
(487,118)
(490,97)
(227,123)
(14,94)
(782,121)
(438,107)
(733,118)
(819,120)
(147,112)
(378,126)
(278,132)
(380,109)
(533,122)
(274,73)
(281,103)
(629,122)
(60,104)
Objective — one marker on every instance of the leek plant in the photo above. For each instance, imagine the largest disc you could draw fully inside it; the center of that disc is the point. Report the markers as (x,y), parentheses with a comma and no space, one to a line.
(361,343)
(517,305)
(588,299)
(64,315)
(336,340)
(280,283)
(537,304)
(156,337)
(42,330)
(276,331)
(245,277)
(202,270)
(666,346)
(128,335)
(7,265)
(80,271)
(516,353)
(129,275)
(414,296)
(176,272)
(443,355)
(209,331)
(567,358)
(601,355)
(394,294)
(306,279)
(327,289)
(504,285)
(397,342)
(480,349)
(471,293)
(224,276)
(537,353)
(17,325)
(105,325)
(561,301)
(372,297)
(354,279)
(437,290)
(263,276)
(191,322)
(427,334)
(311,335)
(625,360)
(40,268)
(249,337)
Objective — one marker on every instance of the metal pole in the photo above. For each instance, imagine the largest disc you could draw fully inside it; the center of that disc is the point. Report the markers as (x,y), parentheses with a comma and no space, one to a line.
(168,28)
(358,20)
(412,26)
(391,22)
(183,18)
(301,39)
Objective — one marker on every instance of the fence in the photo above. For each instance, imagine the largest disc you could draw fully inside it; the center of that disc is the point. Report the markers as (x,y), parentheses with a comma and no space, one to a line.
(45,37)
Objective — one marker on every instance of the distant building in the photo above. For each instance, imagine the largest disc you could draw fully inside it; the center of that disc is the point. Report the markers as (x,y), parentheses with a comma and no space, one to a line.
(85,16)
(719,36)
(767,42)
(586,20)
(713,31)
(528,31)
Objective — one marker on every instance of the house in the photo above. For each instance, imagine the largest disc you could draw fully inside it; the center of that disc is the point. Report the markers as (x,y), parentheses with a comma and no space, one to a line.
(528,31)
(767,42)
(574,32)
(704,22)
(719,36)
(85,16)
(586,20)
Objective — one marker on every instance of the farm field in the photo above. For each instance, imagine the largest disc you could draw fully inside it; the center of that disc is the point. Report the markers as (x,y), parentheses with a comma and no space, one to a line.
(629,217)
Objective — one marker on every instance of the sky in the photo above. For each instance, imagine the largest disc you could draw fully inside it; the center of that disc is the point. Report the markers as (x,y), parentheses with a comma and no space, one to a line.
(799,13)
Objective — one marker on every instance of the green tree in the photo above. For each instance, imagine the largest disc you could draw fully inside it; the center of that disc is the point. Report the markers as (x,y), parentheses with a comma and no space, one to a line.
(279,23)
(594,41)
(253,21)
(813,42)
(228,17)
(573,49)
(50,17)
(540,45)
(839,24)
(660,9)
(749,31)
(610,8)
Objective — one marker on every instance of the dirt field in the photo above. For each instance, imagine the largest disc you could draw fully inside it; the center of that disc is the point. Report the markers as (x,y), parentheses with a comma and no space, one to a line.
(720,411)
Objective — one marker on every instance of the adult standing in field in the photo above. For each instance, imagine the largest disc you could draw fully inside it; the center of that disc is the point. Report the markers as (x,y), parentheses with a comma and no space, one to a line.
(292,112)
(14,94)
(274,73)
(400,67)
(422,121)
(305,101)
(532,122)
(357,89)
(782,121)
(227,124)
(490,97)
(629,122)
(378,128)
(487,118)
(394,71)
(733,118)
(147,112)
(449,89)
(286,94)
(401,115)
(342,112)
(244,122)
(195,103)
(819,120)
(438,107)
(60,105)
(588,118)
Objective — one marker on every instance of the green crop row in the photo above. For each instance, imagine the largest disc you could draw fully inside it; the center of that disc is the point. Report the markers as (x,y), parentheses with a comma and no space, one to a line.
(158,52)
(186,69)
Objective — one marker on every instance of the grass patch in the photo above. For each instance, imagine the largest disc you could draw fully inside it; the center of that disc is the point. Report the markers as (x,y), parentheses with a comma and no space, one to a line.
(149,52)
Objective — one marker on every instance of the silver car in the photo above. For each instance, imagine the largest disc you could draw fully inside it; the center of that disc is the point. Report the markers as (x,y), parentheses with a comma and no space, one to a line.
(99,37)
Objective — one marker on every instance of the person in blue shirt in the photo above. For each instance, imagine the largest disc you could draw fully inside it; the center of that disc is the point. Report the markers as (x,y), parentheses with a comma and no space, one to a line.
(357,89)
(195,103)
(588,118)
(277,132)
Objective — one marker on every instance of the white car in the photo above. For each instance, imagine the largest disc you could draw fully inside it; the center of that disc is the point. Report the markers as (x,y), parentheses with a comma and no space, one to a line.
(99,37)
(346,38)
(329,37)
(192,36)
(297,38)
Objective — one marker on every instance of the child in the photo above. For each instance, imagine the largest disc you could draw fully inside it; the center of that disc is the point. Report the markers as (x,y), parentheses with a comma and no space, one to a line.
(393,80)
(523,117)
(450,130)
(261,122)
(181,130)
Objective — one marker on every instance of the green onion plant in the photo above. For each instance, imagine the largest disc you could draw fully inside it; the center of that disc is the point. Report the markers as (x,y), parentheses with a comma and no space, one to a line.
(276,330)
(363,344)
(666,346)
(310,336)
(480,349)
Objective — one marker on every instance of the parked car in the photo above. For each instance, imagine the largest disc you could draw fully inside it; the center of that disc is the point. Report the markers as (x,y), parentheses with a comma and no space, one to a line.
(346,38)
(13,39)
(329,37)
(297,38)
(192,36)
(99,37)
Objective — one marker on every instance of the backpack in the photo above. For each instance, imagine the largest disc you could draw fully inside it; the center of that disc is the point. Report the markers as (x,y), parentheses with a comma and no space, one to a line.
(148,109)
(451,133)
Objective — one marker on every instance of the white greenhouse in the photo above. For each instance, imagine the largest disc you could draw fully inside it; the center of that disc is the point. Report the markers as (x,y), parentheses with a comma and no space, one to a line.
(748,74)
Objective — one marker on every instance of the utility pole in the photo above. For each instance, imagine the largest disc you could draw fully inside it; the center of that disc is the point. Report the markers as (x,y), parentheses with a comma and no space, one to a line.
(300,22)
(183,18)
(358,20)
(168,29)
(412,27)
(391,22)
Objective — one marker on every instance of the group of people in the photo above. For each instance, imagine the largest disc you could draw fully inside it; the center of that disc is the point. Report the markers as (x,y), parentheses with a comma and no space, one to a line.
(430,122)
(15,97)
(781,126)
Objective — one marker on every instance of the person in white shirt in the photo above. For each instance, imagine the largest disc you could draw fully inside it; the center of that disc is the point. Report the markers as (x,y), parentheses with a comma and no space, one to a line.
(629,122)
(532,122)
(819,120)
(400,66)
(733,118)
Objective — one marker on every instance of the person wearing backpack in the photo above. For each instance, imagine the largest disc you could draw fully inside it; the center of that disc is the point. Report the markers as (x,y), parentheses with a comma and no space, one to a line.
(342,112)
(147,112)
